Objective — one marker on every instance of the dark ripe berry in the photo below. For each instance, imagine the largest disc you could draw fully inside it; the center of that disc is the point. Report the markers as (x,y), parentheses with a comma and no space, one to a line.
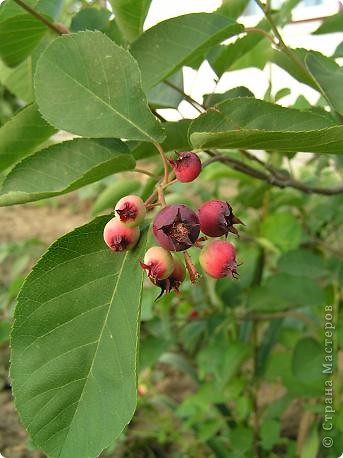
(216,218)
(176,227)
(120,237)
(218,259)
(131,210)
(174,281)
(187,167)
(158,263)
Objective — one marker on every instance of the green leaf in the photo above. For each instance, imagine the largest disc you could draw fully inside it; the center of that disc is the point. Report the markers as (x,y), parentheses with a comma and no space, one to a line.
(215,98)
(22,134)
(169,45)
(307,360)
(283,291)
(10,8)
(303,263)
(150,350)
(90,19)
(20,32)
(329,77)
(64,167)
(283,230)
(331,24)
(255,124)
(294,291)
(165,96)
(18,80)
(283,61)
(339,51)
(311,445)
(232,8)
(130,16)
(224,57)
(19,35)
(281,93)
(110,196)
(222,358)
(88,70)
(270,433)
(74,344)
(176,139)
(257,57)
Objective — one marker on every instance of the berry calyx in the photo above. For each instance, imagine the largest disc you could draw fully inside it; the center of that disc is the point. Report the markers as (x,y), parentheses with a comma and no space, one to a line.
(174,281)
(217,219)
(120,237)
(158,263)
(218,259)
(187,167)
(131,210)
(176,227)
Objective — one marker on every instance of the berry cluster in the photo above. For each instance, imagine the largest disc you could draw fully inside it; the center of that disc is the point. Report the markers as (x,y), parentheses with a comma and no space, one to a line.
(177,228)
(122,232)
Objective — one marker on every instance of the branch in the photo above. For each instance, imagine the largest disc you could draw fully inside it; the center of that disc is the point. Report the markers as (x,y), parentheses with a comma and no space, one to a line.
(275,178)
(261,32)
(281,43)
(187,97)
(57,28)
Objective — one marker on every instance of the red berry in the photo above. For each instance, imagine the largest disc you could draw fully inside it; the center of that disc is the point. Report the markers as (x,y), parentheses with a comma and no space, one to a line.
(218,259)
(131,210)
(176,227)
(120,237)
(193,315)
(216,218)
(158,263)
(174,281)
(187,167)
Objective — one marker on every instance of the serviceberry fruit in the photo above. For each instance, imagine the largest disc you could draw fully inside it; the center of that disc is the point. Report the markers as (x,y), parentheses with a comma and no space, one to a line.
(187,167)
(131,210)
(176,227)
(174,281)
(158,263)
(216,218)
(218,259)
(120,237)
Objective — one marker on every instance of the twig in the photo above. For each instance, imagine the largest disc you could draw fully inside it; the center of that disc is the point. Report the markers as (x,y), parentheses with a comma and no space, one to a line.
(187,97)
(57,28)
(261,32)
(281,43)
(165,162)
(273,180)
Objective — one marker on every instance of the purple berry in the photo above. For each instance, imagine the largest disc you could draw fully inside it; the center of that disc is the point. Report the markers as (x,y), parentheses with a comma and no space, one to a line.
(176,227)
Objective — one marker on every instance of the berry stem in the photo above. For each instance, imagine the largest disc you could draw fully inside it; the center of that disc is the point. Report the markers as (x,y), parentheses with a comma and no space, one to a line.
(165,162)
(160,194)
(193,273)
